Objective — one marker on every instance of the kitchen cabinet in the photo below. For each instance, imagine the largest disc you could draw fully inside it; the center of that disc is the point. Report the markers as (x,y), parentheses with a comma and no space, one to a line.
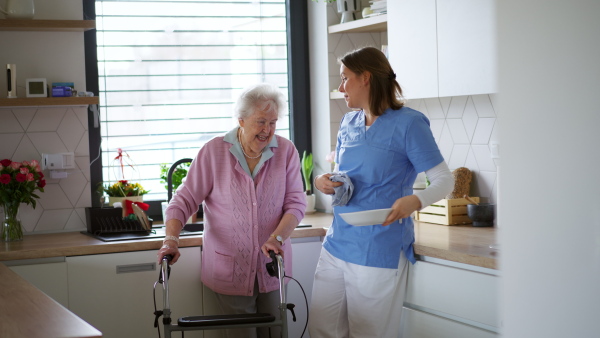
(47,274)
(113,292)
(443,47)
(444,298)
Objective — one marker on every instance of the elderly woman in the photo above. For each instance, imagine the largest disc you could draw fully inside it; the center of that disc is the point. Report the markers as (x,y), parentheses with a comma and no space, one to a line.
(249,184)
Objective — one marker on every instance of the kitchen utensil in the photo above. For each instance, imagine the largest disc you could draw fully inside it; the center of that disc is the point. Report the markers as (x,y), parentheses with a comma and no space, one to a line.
(141,215)
(368,217)
(470,199)
(481,214)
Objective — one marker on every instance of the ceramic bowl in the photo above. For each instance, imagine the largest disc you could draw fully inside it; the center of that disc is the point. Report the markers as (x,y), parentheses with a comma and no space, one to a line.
(368,217)
(482,215)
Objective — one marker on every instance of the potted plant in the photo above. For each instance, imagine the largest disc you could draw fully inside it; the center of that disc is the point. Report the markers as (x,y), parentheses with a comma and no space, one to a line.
(176,179)
(306,166)
(123,190)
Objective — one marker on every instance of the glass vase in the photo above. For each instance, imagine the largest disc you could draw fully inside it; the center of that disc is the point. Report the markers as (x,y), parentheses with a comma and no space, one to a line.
(11,230)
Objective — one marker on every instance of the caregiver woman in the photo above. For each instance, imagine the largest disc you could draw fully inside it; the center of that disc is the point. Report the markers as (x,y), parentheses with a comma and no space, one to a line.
(250,186)
(361,275)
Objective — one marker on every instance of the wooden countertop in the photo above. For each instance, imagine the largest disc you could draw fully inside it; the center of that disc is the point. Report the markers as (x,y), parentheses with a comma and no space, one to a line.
(26,311)
(463,244)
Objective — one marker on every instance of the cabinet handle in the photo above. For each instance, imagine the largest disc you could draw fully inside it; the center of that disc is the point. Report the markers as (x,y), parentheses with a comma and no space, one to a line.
(136,267)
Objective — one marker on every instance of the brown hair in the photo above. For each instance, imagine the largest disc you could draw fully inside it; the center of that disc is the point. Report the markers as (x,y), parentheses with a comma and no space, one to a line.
(384,89)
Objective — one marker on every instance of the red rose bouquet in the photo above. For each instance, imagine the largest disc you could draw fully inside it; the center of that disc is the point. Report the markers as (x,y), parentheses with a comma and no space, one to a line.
(19,182)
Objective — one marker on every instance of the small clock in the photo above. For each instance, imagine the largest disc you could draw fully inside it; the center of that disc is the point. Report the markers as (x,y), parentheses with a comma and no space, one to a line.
(37,88)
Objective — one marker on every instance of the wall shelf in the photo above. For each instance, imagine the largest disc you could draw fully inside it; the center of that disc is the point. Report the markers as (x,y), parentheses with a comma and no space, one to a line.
(47,25)
(373,24)
(48,101)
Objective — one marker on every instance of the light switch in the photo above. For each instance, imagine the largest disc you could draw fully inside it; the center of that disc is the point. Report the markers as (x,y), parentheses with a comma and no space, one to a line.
(494,150)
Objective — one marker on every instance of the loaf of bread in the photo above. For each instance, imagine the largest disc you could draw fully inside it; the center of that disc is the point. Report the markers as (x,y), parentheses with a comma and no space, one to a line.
(462,183)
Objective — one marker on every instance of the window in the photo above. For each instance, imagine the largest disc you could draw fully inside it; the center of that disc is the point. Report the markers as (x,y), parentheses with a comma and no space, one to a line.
(169,73)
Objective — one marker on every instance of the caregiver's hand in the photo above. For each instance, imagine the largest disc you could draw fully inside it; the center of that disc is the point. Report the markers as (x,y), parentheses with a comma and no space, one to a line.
(326,185)
(402,208)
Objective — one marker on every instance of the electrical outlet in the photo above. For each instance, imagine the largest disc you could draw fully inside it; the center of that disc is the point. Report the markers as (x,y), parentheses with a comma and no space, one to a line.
(58,161)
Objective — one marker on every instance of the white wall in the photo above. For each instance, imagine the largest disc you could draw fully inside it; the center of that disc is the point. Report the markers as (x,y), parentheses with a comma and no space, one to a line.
(549,193)
(27,132)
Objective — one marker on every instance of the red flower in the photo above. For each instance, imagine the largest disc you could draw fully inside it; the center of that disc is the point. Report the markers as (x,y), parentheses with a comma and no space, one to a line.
(123,182)
(24,170)
(20,177)
(41,174)
(5,178)
(42,183)
(30,177)
(6,162)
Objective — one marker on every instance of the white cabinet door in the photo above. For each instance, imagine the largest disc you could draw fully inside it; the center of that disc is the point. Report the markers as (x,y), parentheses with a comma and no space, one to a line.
(412,40)
(306,256)
(416,324)
(50,278)
(466,42)
(113,292)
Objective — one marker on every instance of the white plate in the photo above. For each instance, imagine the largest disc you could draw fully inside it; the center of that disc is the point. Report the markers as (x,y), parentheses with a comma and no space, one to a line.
(368,217)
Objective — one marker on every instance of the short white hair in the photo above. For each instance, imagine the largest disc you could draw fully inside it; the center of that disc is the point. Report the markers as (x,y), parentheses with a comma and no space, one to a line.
(262,97)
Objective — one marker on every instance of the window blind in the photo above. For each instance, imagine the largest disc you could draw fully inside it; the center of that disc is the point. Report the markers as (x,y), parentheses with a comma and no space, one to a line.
(169,75)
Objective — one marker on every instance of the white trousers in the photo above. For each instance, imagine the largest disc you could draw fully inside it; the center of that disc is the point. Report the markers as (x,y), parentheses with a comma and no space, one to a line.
(356,301)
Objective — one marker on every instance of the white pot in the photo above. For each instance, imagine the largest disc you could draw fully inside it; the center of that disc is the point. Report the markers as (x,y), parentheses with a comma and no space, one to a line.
(113,200)
(310,204)
(347,8)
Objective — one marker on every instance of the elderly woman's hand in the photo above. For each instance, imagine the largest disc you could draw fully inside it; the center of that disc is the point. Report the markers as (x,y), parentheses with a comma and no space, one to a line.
(324,184)
(271,244)
(402,208)
(168,250)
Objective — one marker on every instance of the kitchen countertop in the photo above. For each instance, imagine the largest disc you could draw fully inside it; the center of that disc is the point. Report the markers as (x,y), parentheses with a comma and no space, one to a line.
(26,311)
(462,244)
(33,314)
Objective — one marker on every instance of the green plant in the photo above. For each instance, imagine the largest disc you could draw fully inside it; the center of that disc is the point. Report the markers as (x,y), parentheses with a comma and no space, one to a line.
(307,168)
(178,174)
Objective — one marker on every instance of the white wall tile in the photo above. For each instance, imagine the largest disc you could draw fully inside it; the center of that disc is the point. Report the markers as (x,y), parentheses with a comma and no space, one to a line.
(47,119)
(434,108)
(47,142)
(9,142)
(459,156)
(483,131)
(344,46)
(484,183)
(70,131)
(73,185)
(470,120)
(9,124)
(30,216)
(445,144)
(457,130)
(83,147)
(483,158)
(457,107)
(471,162)
(82,115)
(85,199)
(24,115)
(445,102)
(333,40)
(414,104)
(360,40)
(54,197)
(483,106)
(27,151)
(53,220)
(75,223)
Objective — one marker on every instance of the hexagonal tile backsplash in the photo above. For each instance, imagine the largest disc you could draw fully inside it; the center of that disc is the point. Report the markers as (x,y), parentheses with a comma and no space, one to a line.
(27,133)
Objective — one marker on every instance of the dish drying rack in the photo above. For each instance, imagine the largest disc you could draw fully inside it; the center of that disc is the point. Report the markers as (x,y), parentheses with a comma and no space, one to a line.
(110,220)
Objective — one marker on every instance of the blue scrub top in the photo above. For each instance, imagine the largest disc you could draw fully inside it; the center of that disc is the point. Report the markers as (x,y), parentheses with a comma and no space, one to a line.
(382,163)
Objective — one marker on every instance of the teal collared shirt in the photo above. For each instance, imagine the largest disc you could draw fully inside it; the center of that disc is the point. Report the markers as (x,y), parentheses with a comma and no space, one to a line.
(236,150)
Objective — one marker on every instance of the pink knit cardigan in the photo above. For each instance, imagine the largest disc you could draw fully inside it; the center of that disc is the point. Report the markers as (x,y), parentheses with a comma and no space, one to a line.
(240,213)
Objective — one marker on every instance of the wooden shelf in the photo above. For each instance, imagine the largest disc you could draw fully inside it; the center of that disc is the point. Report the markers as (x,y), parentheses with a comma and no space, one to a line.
(48,101)
(47,25)
(373,24)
